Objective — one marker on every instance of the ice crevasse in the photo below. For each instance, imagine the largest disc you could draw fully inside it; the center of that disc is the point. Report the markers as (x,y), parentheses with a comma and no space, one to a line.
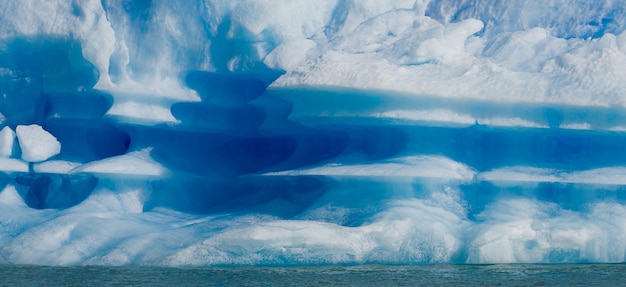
(312,132)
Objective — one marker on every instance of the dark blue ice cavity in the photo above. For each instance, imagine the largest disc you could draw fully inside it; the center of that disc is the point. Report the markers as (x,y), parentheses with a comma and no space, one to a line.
(240,120)
(42,191)
(225,89)
(225,103)
(375,143)
(76,105)
(279,196)
(87,140)
(211,153)
(485,148)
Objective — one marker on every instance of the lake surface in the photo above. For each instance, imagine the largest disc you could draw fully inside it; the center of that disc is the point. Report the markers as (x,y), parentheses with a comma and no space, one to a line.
(361,275)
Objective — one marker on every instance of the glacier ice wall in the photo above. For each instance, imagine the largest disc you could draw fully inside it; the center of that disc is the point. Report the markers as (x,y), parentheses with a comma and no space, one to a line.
(287,132)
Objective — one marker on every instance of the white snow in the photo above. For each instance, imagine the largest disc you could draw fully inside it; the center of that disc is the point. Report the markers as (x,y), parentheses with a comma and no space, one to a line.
(411,166)
(142,113)
(524,230)
(9,196)
(55,166)
(602,176)
(134,163)
(7,140)
(36,143)
(13,165)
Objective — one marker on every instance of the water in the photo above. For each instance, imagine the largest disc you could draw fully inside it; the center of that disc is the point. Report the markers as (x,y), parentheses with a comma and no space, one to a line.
(362,275)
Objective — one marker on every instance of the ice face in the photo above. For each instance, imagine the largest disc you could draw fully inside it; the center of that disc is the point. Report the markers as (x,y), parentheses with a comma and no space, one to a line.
(282,132)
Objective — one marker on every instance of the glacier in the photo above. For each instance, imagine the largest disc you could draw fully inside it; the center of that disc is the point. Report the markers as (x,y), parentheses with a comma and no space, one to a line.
(285,132)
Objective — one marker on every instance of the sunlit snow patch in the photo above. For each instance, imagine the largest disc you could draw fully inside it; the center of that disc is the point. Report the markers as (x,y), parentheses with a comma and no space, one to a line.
(13,165)
(37,144)
(411,166)
(10,197)
(606,175)
(7,141)
(55,166)
(134,163)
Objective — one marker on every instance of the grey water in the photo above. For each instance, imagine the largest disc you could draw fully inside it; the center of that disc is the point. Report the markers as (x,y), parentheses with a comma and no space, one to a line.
(358,275)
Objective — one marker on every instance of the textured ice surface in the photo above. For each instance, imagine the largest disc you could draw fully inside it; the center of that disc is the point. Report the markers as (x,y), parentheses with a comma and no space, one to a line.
(221,132)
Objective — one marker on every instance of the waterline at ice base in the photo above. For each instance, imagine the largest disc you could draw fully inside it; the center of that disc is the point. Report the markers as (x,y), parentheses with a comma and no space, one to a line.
(200,133)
